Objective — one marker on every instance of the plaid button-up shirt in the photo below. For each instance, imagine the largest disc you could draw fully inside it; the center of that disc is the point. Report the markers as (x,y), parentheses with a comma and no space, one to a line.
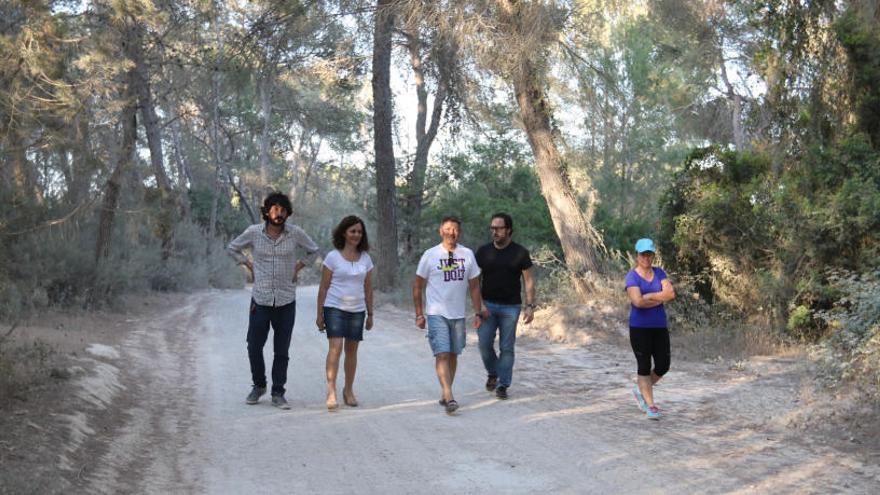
(274,261)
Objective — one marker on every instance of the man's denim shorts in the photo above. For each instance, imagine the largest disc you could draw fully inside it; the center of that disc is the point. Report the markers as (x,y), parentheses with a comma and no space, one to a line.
(339,323)
(446,335)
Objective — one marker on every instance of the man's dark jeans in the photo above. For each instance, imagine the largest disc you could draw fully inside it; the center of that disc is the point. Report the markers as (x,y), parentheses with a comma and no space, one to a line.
(281,318)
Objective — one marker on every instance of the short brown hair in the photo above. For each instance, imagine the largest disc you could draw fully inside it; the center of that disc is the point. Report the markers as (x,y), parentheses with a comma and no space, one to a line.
(345,224)
(451,218)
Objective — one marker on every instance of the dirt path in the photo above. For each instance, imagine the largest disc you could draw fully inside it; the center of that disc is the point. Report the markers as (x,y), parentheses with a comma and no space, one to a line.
(164,411)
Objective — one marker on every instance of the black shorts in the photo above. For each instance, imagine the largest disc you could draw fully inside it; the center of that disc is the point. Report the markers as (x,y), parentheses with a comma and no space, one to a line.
(650,344)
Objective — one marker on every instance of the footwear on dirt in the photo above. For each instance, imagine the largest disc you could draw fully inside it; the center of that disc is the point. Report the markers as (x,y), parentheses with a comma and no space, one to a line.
(643,406)
(280,402)
(491,383)
(255,395)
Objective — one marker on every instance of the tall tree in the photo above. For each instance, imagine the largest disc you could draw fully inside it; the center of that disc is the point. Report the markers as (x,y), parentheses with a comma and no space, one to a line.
(124,158)
(426,130)
(383,146)
(530,29)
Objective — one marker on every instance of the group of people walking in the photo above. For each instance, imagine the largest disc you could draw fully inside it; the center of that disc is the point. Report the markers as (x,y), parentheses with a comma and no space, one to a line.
(447,275)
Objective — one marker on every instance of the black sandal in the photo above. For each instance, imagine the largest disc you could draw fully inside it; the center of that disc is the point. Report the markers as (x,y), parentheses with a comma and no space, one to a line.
(451,406)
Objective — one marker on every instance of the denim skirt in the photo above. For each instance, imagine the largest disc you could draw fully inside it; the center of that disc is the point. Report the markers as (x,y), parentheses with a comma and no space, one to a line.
(339,323)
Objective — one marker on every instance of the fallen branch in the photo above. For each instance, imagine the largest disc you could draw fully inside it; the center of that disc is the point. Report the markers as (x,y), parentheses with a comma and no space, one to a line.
(9,332)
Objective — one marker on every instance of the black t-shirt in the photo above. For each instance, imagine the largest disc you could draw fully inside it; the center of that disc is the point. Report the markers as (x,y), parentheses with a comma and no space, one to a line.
(501,272)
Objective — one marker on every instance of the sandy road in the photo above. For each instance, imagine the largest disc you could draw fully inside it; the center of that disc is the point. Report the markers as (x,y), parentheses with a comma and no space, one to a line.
(175,420)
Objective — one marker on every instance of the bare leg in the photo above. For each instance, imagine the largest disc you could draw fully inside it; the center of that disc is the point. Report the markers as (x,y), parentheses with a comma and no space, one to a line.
(453,365)
(442,366)
(646,386)
(333,353)
(351,349)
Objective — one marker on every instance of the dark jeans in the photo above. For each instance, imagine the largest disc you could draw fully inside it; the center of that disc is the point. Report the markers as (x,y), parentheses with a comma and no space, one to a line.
(501,321)
(281,319)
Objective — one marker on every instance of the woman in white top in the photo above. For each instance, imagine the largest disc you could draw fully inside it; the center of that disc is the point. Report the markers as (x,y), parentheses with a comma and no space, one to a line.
(345,298)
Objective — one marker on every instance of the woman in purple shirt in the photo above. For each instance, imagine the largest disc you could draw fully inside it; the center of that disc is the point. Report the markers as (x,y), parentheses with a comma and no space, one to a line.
(648,288)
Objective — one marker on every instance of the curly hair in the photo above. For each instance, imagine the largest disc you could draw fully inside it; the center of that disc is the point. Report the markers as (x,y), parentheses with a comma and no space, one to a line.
(344,225)
(276,198)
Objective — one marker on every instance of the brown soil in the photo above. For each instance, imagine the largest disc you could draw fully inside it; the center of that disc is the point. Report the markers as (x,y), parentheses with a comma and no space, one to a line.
(48,353)
(750,405)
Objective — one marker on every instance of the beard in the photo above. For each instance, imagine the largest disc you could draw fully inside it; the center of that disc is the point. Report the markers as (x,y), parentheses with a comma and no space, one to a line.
(277,221)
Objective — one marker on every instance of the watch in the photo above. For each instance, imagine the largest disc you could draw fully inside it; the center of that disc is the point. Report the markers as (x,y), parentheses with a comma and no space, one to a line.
(530,306)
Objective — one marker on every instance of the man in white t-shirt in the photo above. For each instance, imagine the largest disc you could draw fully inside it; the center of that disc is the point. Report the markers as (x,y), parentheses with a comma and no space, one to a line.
(449,272)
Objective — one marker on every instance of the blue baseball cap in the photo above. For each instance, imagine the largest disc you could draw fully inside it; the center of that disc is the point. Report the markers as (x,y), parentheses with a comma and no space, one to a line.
(644,245)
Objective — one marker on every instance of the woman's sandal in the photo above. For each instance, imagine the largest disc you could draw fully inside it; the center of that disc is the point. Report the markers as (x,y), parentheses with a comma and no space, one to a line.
(349,399)
(451,406)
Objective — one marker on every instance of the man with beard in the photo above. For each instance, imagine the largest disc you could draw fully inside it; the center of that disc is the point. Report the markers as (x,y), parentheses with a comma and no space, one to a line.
(447,273)
(274,263)
(503,262)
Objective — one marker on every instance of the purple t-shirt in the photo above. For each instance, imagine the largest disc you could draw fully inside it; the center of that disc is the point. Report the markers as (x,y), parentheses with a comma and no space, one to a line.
(647,317)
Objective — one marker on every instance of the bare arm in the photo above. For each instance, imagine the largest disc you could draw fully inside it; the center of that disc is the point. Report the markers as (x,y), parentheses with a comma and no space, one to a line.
(368,297)
(666,294)
(326,276)
(529,282)
(639,300)
(476,300)
(418,289)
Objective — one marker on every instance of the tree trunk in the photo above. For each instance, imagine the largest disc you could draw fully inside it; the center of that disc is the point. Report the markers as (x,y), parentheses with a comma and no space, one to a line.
(83,162)
(148,110)
(311,162)
(128,123)
(425,135)
(180,160)
(215,201)
(265,91)
(215,152)
(735,102)
(578,237)
(26,188)
(165,222)
(387,259)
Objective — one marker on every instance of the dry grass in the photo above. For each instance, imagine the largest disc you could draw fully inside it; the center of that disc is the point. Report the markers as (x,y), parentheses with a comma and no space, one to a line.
(731,341)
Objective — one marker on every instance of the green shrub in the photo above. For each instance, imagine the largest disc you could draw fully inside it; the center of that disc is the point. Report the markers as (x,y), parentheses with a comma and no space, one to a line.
(56,267)
(762,241)
(851,354)
(799,320)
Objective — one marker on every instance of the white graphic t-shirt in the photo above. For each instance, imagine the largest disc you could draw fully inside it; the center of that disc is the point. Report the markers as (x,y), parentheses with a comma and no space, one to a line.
(447,286)
(346,291)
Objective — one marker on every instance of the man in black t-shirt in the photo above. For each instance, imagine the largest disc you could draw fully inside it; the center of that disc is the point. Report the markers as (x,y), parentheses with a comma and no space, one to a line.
(502,263)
